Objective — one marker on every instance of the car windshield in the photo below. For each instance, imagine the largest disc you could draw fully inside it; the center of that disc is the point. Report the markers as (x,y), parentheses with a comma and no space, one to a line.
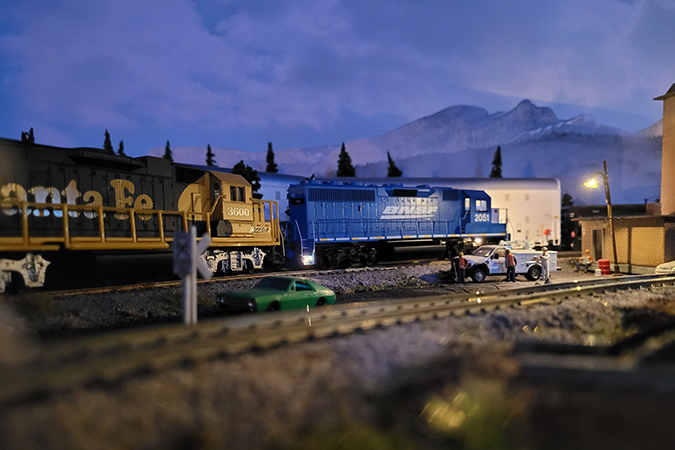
(274,283)
(483,251)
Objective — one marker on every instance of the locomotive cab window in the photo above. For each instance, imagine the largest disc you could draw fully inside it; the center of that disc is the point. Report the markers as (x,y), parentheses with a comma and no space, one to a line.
(481,205)
(237,194)
(467,203)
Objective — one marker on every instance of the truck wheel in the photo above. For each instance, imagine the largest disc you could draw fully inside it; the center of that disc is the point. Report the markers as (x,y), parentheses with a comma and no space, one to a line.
(534,273)
(478,275)
(274,306)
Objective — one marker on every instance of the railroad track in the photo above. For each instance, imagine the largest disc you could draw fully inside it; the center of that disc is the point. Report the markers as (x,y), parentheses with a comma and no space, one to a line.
(222,279)
(108,359)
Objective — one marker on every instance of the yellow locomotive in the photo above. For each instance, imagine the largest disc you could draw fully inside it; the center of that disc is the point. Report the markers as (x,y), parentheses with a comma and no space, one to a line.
(56,201)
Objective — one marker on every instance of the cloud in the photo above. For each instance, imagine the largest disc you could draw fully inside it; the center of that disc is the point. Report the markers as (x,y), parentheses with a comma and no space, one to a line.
(211,65)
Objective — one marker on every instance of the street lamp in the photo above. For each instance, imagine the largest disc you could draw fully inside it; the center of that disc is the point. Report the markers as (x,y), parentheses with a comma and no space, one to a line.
(591,183)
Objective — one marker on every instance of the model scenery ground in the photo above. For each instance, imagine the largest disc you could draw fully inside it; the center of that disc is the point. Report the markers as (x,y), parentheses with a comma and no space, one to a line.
(448,382)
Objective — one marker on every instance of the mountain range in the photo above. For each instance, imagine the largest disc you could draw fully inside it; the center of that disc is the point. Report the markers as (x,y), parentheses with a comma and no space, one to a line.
(460,141)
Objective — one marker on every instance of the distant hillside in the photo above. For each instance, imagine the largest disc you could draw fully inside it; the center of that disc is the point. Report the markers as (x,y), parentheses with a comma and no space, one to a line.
(460,141)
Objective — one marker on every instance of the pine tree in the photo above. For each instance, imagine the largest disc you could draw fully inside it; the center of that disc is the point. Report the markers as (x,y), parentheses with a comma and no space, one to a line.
(28,136)
(393,171)
(496,171)
(567,200)
(250,175)
(345,167)
(167,152)
(107,145)
(209,156)
(120,151)
(271,165)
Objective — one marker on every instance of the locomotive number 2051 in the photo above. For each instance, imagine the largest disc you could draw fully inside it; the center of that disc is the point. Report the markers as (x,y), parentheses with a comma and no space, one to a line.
(485,217)
(238,212)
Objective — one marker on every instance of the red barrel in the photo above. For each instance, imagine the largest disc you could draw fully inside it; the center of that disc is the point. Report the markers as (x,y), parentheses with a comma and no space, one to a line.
(603,264)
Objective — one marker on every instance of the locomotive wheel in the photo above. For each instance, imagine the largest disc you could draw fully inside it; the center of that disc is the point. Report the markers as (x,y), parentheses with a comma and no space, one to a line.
(344,259)
(325,259)
(534,273)
(16,285)
(248,266)
(479,275)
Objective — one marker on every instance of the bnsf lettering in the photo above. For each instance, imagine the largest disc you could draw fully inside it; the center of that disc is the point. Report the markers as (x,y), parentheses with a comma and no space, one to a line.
(398,212)
(238,212)
(41,194)
(485,217)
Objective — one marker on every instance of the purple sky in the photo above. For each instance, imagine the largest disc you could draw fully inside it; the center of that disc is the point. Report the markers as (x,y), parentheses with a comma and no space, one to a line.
(304,73)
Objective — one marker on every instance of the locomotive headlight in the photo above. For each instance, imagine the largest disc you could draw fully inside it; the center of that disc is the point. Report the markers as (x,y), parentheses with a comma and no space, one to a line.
(479,241)
(308,260)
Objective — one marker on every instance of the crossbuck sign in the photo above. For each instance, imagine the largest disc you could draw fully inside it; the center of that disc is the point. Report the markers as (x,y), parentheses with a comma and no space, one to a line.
(186,262)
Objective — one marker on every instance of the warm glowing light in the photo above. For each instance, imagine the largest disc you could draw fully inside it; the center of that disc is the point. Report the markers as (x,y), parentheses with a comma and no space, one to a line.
(591,183)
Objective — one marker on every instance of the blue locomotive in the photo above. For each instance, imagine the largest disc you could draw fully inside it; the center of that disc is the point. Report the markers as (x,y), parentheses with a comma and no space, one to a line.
(337,224)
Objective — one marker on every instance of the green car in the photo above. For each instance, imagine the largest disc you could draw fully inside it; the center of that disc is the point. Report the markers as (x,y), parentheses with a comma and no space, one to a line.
(277,293)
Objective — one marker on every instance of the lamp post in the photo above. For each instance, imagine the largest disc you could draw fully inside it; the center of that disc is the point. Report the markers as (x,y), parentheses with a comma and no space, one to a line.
(608,199)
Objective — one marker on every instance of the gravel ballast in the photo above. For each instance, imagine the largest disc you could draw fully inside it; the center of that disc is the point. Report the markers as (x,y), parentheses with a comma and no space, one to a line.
(448,381)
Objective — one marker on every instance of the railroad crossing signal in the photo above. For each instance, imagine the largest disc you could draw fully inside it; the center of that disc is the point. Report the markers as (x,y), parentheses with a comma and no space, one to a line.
(186,262)
(182,254)
(187,254)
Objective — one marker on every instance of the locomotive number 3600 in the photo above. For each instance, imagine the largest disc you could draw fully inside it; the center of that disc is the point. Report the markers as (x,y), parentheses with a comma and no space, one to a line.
(239,212)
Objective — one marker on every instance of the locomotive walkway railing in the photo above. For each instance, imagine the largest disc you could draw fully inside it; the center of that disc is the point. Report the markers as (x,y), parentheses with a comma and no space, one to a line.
(363,230)
(158,237)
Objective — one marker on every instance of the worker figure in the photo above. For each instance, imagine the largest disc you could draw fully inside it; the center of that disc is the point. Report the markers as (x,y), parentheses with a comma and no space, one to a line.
(510,266)
(461,268)
(545,273)
(585,261)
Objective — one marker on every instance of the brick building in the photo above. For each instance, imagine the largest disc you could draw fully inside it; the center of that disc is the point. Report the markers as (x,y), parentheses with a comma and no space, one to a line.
(642,242)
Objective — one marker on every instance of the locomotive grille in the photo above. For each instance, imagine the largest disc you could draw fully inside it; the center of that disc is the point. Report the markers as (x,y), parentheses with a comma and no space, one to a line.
(452,195)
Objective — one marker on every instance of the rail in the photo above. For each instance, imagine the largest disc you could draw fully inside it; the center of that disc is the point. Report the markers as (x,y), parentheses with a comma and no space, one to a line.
(114,357)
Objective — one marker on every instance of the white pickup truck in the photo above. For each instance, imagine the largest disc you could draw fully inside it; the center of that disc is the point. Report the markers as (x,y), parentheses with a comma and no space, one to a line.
(490,260)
